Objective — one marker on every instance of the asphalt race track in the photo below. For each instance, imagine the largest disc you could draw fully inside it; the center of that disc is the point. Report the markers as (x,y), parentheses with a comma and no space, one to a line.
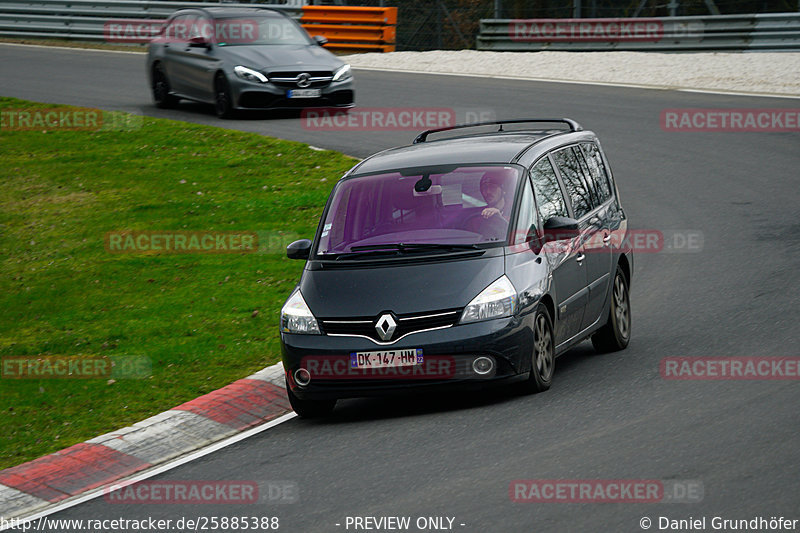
(606,417)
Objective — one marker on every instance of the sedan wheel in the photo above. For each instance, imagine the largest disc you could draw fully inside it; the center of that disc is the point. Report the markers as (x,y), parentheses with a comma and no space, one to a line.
(223,103)
(161,89)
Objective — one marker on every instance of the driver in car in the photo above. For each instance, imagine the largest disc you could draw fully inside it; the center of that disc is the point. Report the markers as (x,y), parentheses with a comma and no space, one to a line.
(495,197)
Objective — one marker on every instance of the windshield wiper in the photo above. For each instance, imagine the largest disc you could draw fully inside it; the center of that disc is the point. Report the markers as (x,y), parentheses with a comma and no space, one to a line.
(413,246)
(373,250)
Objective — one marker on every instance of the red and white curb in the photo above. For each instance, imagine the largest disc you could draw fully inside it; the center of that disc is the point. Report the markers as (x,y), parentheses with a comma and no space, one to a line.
(109,458)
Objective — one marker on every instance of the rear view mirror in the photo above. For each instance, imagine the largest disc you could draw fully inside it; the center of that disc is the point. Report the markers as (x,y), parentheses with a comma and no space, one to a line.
(320,40)
(299,249)
(433,190)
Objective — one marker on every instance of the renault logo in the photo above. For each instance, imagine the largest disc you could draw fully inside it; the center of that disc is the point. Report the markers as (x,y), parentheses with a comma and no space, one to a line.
(385,326)
(303,79)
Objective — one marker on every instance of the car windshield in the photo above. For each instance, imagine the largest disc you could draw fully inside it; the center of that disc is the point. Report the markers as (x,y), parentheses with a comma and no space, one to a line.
(456,206)
(259,30)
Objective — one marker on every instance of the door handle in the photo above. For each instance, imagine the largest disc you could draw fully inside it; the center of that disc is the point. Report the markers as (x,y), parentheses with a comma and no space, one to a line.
(581,257)
(606,239)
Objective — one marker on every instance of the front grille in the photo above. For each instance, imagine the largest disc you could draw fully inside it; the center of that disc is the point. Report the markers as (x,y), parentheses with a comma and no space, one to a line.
(319,78)
(265,100)
(409,323)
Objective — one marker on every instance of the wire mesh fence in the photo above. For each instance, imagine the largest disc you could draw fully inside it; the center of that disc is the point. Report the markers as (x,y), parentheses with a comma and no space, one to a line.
(454,24)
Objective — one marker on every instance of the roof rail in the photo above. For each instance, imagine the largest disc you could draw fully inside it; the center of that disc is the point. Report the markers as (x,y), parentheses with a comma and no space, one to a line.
(573,126)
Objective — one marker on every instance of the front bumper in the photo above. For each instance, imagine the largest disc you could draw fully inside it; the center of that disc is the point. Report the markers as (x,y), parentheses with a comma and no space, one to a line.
(448,357)
(251,95)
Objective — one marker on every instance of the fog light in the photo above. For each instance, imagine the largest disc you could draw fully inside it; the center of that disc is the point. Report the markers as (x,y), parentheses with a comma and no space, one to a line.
(483,365)
(302,377)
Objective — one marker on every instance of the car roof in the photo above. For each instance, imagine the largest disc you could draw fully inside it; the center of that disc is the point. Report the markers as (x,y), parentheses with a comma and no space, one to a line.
(224,12)
(496,147)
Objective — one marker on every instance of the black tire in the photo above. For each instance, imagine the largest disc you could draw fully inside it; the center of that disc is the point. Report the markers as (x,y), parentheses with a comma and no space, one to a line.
(161,89)
(616,333)
(223,103)
(543,355)
(310,408)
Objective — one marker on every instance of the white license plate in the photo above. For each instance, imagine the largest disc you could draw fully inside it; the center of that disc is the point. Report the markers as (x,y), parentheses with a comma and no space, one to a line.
(386,359)
(304,93)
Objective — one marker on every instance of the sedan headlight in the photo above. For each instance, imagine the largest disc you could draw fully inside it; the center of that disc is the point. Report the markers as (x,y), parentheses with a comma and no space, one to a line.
(342,73)
(296,317)
(250,74)
(495,301)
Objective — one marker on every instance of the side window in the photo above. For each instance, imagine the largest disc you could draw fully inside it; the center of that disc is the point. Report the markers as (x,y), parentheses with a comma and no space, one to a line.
(587,178)
(579,193)
(527,215)
(597,170)
(178,29)
(549,198)
(202,27)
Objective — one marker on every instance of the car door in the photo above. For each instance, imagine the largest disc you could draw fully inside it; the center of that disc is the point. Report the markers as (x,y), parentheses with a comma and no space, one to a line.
(597,235)
(200,61)
(176,38)
(188,63)
(564,257)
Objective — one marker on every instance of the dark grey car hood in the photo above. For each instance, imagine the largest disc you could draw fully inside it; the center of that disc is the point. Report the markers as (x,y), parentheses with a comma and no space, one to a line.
(406,288)
(281,57)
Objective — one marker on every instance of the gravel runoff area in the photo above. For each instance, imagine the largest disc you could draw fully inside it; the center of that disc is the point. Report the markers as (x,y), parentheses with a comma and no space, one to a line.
(764,72)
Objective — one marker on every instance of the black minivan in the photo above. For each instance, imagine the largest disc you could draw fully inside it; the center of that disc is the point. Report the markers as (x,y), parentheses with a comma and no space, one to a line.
(471,259)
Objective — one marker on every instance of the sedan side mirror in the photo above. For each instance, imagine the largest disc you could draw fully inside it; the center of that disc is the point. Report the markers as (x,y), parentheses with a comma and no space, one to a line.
(320,40)
(198,41)
(299,249)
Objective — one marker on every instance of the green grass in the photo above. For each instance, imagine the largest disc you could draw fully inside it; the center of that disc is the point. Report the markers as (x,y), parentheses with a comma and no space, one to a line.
(191,315)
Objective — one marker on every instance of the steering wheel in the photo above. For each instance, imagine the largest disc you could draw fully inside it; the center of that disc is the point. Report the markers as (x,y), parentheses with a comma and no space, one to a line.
(493,227)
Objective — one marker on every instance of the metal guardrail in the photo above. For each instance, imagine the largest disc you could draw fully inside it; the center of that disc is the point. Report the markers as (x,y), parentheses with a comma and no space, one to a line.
(762,32)
(84,19)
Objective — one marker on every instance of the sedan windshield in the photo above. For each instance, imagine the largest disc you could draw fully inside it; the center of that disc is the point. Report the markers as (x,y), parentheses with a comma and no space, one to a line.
(260,30)
(457,207)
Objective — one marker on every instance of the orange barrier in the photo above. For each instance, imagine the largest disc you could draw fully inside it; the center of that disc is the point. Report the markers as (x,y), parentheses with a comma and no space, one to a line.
(366,29)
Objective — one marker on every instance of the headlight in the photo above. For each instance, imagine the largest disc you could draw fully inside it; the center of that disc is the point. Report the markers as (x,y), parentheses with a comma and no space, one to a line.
(495,301)
(296,317)
(250,74)
(342,73)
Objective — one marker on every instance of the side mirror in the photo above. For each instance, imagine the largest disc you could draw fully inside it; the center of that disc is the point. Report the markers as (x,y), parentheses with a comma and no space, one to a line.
(299,249)
(565,223)
(559,229)
(198,41)
(320,40)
